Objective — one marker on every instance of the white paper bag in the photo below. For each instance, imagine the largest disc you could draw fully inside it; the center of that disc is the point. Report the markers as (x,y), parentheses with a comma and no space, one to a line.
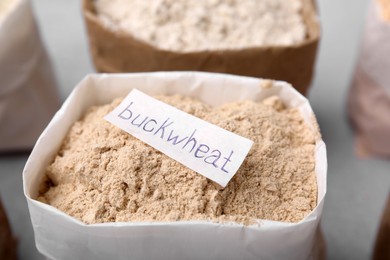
(59,236)
(28,95)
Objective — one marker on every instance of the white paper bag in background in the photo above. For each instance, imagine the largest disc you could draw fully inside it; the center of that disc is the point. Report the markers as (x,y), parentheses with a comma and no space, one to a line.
(28,95)
(369,96)
(59,236)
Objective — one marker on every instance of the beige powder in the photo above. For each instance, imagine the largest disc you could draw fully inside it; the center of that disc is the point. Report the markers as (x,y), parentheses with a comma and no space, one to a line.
(194,25)
(103,174)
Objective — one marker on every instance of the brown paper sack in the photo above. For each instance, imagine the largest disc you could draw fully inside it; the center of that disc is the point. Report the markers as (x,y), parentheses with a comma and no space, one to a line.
(115,52)
(7,242)
(28,95)
(60,236)
(382,244)
(369,96)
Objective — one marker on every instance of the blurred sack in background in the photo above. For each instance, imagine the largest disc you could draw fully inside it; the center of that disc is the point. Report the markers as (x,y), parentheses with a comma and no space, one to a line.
(28,94)
(382,244)
(7,241)
(369,97)
(116,51)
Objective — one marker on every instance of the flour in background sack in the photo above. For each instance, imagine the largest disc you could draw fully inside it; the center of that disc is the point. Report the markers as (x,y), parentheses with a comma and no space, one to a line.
(103,174)
(194,25)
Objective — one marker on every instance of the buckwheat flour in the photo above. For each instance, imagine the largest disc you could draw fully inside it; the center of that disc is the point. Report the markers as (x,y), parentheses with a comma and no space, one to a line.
(194,25)
(103,174)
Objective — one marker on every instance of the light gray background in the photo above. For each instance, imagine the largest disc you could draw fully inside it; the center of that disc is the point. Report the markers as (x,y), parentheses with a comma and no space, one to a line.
(357,189)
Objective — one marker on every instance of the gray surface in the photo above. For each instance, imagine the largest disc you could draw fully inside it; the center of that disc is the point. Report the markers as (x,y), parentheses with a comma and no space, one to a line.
(357,189)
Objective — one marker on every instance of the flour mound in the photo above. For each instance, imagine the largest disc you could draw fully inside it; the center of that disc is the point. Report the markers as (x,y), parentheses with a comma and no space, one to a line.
(194,25)
(103,174)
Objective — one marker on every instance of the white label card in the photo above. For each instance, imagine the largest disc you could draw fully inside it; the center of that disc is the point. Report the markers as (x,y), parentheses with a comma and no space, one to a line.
(201,146)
